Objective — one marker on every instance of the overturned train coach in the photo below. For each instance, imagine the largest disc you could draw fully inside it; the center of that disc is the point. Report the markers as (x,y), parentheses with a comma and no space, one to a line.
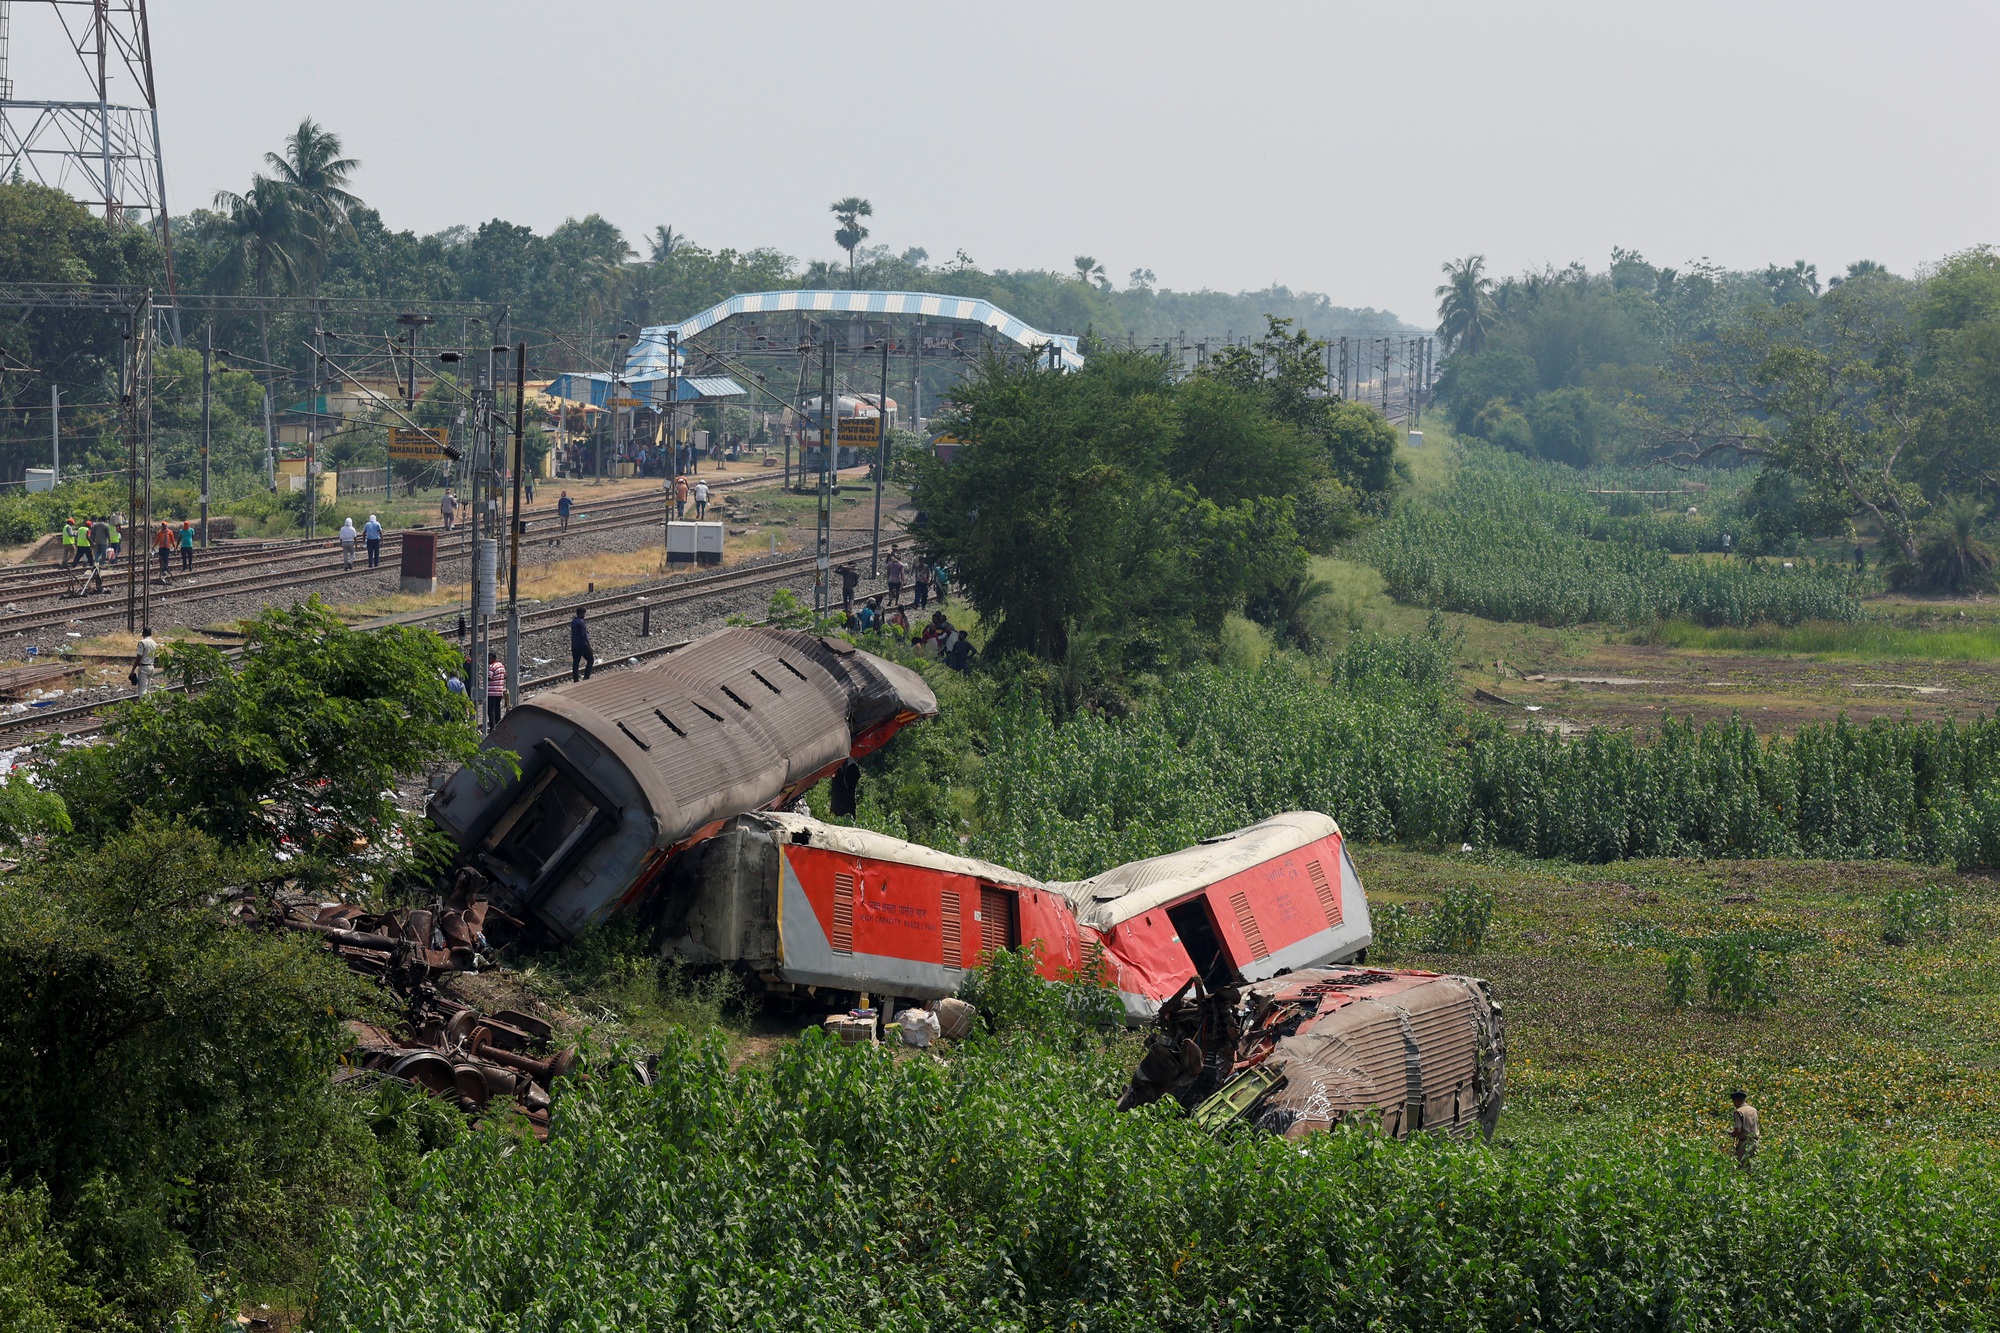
(805,905)
(1409,1051)
(619,773)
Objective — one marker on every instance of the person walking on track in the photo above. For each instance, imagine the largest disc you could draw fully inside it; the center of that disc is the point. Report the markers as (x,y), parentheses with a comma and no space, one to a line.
(100,547)
(186,540)
(448,507)
(69,541)
(680,497)
(581,658)
(496,689)
(163,548)
(372,534)
(895,570)
(563,506)
(701,500)
(347,535)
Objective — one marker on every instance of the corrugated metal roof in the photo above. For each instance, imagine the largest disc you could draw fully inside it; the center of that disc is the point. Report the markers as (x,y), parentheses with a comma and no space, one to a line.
(595,387)
(882,847)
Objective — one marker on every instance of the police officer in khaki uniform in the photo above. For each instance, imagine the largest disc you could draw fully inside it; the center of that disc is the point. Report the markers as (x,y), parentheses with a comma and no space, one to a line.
(1744,1129)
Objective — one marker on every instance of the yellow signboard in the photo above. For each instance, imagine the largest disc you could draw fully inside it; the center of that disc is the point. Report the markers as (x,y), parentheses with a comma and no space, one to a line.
(859,432)
(623,402)
(418,446)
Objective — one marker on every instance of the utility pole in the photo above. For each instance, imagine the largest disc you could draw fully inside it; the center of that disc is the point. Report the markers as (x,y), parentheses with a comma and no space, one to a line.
(514,537)
(312,433)
(55,432)
(126,374)
(270,446)
(414,323)
(207,363)
(673,445)
(143,386)
(829,423)
(881,460)
(480,471)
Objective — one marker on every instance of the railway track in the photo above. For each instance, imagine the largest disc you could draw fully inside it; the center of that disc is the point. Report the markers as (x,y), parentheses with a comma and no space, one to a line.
(315,562)
(635,600)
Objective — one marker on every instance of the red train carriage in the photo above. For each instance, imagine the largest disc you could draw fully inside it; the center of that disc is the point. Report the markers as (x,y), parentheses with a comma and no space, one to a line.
(810,905)
(1278,896)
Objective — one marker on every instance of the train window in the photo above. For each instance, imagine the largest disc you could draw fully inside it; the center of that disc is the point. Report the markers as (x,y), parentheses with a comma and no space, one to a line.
(1204,947)
(789,667)
(765,683)
(712,716)
(636,738)
(734,698)
(670,724)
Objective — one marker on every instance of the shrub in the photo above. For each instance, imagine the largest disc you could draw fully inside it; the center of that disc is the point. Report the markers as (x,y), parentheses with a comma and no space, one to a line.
(1460,920)
(1742,979)
(1680,977)
(1915,914)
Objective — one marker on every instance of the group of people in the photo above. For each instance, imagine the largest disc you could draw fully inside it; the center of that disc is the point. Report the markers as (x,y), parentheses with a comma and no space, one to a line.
(496,685)
(99,540)
(682,492)
(924,580)
(370,534)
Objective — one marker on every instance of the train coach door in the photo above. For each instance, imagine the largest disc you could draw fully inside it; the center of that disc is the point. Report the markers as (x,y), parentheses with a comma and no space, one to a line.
(1204,947)
(999,920)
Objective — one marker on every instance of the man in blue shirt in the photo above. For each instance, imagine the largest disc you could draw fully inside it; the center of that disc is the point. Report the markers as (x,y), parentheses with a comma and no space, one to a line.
(371,532)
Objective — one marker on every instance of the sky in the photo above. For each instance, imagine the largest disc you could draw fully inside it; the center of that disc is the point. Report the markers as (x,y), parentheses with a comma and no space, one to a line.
(1342,148)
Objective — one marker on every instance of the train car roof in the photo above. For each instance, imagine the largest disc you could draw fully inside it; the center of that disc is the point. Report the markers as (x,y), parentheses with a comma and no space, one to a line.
(1123,892)
(881,847)
(728,722)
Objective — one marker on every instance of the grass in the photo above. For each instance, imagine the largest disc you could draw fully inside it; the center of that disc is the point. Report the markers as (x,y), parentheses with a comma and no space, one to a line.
(1891,1043)
(1867,641)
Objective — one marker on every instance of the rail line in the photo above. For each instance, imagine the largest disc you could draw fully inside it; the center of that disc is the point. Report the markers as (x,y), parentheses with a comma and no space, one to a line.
(628,601)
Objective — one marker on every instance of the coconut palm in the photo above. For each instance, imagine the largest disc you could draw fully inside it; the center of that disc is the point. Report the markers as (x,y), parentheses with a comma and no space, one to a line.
(1951,557)
(1088,270)
(850,211)
(264,247)
(313,172)
(1465,304)
(665,240)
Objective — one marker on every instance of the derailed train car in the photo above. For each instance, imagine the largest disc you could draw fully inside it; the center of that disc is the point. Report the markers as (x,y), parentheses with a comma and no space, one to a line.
(807,906)
(620,772)
(1277,896)
(1422,1051)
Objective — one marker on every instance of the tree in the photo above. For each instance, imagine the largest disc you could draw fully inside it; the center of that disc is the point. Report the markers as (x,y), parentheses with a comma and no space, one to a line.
(1465,304)
(665,241)
(849,212)
(1950,556)
(265,246)
(304,742)
(1824,391)
(313,172)
(1089,271)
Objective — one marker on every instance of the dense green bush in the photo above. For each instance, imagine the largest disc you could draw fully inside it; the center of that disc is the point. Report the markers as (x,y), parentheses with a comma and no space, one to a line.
(999,1189)
(1510,539)
(1382,743)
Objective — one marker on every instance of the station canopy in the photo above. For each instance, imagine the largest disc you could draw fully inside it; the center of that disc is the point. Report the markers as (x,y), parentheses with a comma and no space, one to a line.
(650,388)
(650,355)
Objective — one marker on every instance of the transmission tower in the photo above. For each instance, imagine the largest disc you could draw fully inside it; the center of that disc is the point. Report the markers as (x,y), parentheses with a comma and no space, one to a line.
(103,153)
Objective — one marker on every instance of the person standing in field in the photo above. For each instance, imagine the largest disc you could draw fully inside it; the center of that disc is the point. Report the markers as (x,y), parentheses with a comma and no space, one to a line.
(581,658)
(372,534)
(1744,1128)
(187,546)
(701,500)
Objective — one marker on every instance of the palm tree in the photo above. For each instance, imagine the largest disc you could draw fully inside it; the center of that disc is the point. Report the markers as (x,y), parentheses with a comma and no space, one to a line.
(265,243)
(1465,304)
(313,172)
(850,211)
(1951,557)
(1088,270)
(665,240)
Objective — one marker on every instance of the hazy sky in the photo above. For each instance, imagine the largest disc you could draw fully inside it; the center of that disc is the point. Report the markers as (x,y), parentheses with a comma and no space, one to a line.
(1342,148)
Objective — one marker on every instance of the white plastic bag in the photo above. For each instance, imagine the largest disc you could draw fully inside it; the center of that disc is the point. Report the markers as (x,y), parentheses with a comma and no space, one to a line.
(919,1027)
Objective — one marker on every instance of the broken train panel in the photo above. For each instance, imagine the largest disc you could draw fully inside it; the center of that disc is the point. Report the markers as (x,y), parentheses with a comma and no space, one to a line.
(804,904)
(619,772)
(1309,1050)
(1277,896)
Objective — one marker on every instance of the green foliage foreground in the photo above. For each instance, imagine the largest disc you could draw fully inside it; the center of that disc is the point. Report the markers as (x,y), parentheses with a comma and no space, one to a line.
(999,1189)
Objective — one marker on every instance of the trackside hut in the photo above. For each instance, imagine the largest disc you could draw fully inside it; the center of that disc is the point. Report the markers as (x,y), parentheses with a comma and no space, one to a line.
(620,772)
